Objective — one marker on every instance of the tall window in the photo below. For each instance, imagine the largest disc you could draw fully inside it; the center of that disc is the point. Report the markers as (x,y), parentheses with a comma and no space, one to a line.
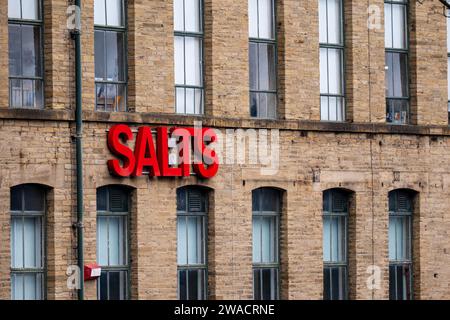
(262,59)
(188,24)
(331,37)
(110,55)
(26,75)
(266,257)
(396,43)
(192,212)
(400,245)
(28,209)
(448,62)
(335,229)
(112,242)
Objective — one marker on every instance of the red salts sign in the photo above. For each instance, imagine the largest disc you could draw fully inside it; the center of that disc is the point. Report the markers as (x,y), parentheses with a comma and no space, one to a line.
(131,163)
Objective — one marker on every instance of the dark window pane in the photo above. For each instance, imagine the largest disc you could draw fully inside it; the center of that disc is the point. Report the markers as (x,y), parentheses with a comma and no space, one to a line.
(181,199)
(16,199)
(326,284)
(257,284)
(256,200)
(269,284)
(103,290)
(270,200)
(31,47)
(118,200)
(34,198)
(102,199)
(182,285)
(99,44)
(194,285)
(254,105)
(15,50)
(114,286)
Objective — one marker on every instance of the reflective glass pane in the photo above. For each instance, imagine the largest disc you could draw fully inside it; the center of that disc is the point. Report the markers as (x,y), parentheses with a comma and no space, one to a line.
(121,98)
(32,242)
(190,103)
(323,70)
(192,61)
(31,47)
(14,9)
(178,15)
(15,50)
(17,244)
(182,241)
(253,18)
(117,241)
(114,15)
(265,17)
(30,9)
(323,21)
(399,26)
(99,12)
(335,71)
(192,16)
(180,100)
(102,241)
(257,239)
(99,44)
(388,25)
(334,21)
(179,60)
(30,287)
(17,289)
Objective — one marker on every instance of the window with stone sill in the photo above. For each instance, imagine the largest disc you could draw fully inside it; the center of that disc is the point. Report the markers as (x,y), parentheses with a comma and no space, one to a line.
(188,28)
(110,55)
(331,38)
(26,74)
(262,59)
(397,55)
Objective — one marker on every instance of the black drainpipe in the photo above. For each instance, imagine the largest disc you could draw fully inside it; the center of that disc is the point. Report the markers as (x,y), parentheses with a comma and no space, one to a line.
(76,36)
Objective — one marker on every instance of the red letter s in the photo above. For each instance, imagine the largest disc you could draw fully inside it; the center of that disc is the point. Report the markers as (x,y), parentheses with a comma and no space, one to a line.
(122,151)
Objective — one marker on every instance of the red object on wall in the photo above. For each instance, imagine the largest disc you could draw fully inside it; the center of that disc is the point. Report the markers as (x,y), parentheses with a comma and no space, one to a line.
(131,163)
(92,271)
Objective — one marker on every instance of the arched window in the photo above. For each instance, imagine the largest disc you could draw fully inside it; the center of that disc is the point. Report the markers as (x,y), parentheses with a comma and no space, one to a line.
(266,203)
(28,211)
(192,213)
(400,244)
(112,242)
(335,237)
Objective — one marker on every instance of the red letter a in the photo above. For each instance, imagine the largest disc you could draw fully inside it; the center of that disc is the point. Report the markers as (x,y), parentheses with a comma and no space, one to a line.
(145,154)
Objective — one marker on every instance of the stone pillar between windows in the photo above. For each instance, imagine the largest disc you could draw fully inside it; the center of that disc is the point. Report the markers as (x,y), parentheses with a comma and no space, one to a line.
(226,59)
(298,60)
(364,61)
(428,63)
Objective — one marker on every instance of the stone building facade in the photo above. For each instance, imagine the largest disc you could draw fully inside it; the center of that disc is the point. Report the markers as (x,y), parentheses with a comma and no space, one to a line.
(363,155)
